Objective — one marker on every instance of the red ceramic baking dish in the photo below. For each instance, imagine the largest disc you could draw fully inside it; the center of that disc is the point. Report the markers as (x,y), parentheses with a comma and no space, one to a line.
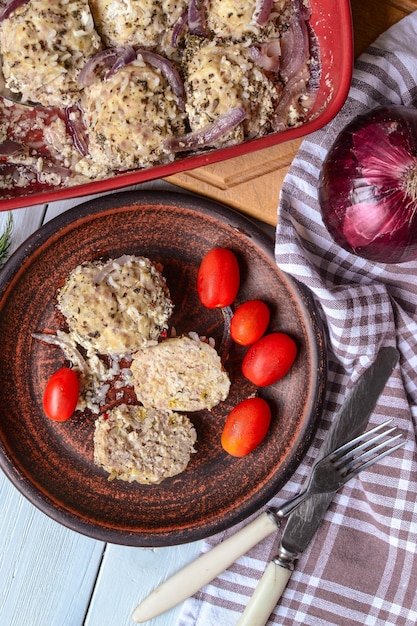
(331,21)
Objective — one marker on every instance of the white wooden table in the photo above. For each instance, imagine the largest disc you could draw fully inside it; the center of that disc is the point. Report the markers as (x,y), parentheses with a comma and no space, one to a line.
(52,576)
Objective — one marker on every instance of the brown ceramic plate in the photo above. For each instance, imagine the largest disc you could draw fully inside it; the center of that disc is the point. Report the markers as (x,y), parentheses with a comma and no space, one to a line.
(52,463)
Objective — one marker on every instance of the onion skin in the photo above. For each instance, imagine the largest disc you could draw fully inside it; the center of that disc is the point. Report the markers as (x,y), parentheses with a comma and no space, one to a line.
(368,186)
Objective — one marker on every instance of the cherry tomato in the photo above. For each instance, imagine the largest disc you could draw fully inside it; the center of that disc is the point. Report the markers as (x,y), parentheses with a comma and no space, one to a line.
(246,426)
(249,322)
(218,278)
(269,359)
(61,394)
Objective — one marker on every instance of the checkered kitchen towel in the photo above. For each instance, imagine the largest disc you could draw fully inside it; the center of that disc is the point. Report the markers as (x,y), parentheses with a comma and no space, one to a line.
(361,567)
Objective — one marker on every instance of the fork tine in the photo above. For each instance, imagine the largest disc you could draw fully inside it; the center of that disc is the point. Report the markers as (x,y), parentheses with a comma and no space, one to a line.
(378,457)
(367,445)
(367,454)
(352,443)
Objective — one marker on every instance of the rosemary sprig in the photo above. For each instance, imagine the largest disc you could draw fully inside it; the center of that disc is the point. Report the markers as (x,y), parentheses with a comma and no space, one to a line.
(5,240)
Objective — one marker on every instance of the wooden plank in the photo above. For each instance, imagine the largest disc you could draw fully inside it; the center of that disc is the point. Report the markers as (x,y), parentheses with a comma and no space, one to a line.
(250,183)
(47,571)
(128,575)
(373,17)
(25,221)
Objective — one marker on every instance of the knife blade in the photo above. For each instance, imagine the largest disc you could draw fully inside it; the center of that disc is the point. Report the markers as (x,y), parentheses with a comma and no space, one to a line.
(351,421)
(303,523)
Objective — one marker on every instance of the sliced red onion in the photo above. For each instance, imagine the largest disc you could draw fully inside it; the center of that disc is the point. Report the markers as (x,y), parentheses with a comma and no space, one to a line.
(126,55)
(263,11)
(119,56)
(179,28)
(303,9)
(168,70)
(29,173)
(113,58)
(55,168)
(197,18)
(267,55)
(71,353)
(291,95)
(295,47)
(11,7)
(10,147)
(368,186)
(76,128)
(299,66)
(209,134)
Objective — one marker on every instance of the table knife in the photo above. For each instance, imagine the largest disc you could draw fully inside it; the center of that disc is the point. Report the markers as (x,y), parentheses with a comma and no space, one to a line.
(304,521)
(350,422)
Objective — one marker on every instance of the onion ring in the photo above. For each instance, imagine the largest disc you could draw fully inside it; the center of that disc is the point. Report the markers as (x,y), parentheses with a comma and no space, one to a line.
(295,88)
(10,147)
(179,28)
(263,11)
(75,125)
(197,17)
(115,58)
(295,46)
(168,70)
(207,135)
(267,55)
(11,7)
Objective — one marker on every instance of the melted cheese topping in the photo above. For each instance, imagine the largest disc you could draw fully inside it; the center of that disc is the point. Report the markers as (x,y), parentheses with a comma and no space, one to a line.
(232,18)
(129,116)
(220,77)
(117,307)
(44,46)
(236,19)
(141,22)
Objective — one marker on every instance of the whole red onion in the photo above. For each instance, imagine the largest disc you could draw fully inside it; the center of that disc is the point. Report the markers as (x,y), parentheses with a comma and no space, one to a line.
(368,186)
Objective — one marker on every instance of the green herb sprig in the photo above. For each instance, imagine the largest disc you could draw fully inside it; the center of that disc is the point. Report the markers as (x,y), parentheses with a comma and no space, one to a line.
(5,240)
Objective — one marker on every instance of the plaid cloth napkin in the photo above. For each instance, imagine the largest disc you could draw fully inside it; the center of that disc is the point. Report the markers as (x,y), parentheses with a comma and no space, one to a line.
(361,567)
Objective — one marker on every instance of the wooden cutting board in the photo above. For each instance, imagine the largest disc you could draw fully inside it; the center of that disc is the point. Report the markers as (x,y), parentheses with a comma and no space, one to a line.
(252,182)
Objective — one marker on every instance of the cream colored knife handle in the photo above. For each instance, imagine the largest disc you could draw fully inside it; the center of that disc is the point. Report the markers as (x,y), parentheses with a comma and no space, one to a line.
(265,596)
(200,572)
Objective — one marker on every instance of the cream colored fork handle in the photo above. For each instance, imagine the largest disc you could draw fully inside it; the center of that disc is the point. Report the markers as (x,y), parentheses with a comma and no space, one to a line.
(200,572)
(266,595)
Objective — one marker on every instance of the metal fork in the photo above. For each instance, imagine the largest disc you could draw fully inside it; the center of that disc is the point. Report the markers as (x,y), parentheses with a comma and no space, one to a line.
(336,468)
(328,474)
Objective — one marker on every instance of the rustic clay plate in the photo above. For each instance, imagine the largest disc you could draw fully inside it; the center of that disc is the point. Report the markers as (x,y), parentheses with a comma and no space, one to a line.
(52,463)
